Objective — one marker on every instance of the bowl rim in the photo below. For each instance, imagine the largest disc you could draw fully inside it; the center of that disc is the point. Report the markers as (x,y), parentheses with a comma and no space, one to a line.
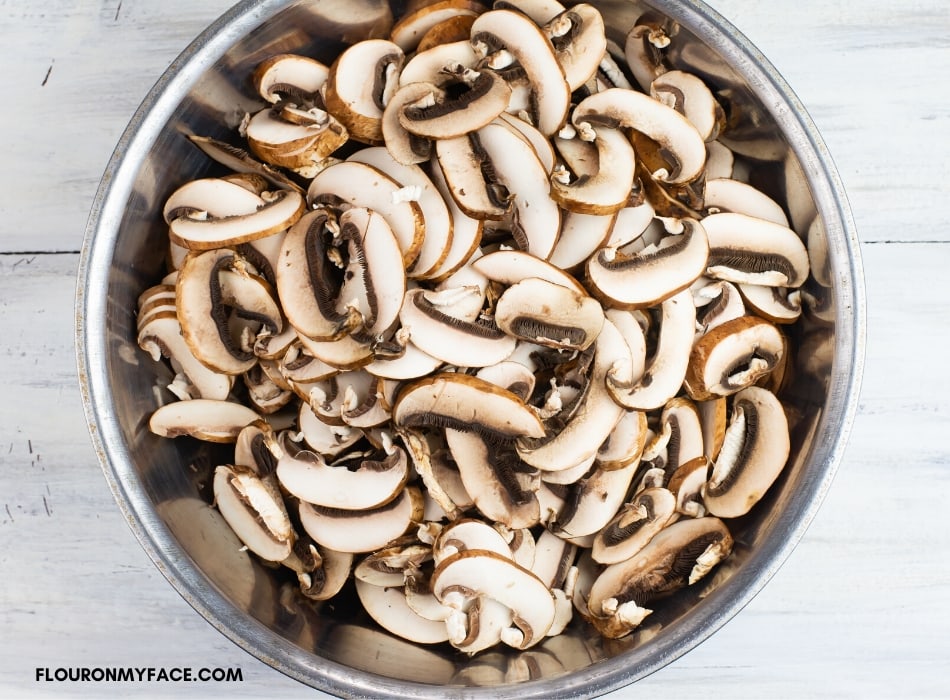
(835,423)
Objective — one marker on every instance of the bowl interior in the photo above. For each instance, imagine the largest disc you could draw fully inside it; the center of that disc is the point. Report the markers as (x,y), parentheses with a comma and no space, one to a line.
(164,486)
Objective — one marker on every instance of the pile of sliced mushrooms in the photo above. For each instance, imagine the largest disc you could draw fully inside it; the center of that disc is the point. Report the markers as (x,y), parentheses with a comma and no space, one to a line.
(494,325)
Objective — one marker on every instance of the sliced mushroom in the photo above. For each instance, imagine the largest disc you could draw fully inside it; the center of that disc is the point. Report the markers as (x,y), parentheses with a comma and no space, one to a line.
(357,531)
(627,109)
(457,342)
(465,403)
(593,501)
(728,195)
(636,523)
(360,185)
(388,606)
(539,11)
(254,510)
(753,454)
(410,29)
(160,336)
(579,41)
(240,161)
(501,486)
(548,314)
(220,307)
(625,443)
(733,356)
(676,557)
(530,49)
(469,179)
(655,273)
(359,85)
(510,267)
(450,30)
(691,97)
(295,138)
(404,146)
(216,197)
(580,236)
(687,484)
(464,534)
(667,367)
(484,573)
(438,223)
(607,190)
(717,303)
(391,565)
(749,250)
(291,77)
(363,483)
(198,230)
(328,580)
(469,102)
(585,431)
(776,304)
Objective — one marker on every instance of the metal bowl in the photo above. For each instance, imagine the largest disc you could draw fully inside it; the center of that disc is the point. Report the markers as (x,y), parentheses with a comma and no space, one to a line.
(162,485)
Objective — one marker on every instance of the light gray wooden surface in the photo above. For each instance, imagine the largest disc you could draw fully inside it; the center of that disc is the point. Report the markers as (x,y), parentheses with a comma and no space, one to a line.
(859,610)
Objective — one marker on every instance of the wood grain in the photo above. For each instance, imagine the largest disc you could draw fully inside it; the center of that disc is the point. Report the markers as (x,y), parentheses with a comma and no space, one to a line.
(859,610)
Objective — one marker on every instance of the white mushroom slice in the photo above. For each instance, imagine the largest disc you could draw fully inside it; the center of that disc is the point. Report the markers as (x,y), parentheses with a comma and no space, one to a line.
(569,476)
(717,303)
(160,336)
(754,452)
(215,196)
(467,103)
(580,42)
(324,438)
(500,485)
(413,26)
(270,346)
(209,286)
(521,541)
(644,45)
(632,326)
(206,419)
(625,443)
(344,353)
(667,367)
(362,402)
(512,266)
(548,314)
(777,304)
(590,425)
(289,76)
(392,565)
(241,162)
(510,375)
(593,501)
(484,573)
(360,185)
(676,557)
(468,533)
(749,250)
(654,274)
(685,442)
(294,138)
(538,141)
(419,597)
(254,510)
(202,231)
(687,484)
(632,222)
(720,161)
(297,365)
(634,525)
(465,403)
(537,218)
(628,109)
(264,394)
(539,11)
(466,231)
(478,624)
(427,66)
(608,189)
(357,531)
(375,480)
(438,473)
(513,32)
(360,83)
(328,580)
(404,146)
(457,342)
(727,195)
(733,356)
(580,237)
(553,559)
(464,165)
(691,97)
(308,281)
(437,240)
(370,284)
(258,447)
(388,606)
(411,363)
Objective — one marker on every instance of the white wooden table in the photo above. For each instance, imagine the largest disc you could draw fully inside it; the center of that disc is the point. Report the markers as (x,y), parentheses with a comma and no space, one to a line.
(860,609)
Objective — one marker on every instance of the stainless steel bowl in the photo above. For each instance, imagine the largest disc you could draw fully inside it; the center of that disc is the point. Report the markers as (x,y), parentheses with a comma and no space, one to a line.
(162,485)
